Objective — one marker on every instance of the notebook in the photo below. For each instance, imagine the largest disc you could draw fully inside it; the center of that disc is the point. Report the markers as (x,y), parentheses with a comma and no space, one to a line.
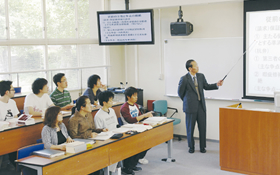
(49,153)
(103,136)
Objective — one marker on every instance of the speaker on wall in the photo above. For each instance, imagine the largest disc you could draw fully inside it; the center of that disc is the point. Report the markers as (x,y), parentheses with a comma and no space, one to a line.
(181,28)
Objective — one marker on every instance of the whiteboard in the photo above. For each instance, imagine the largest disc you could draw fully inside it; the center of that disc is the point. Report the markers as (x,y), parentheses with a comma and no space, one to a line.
(214,56)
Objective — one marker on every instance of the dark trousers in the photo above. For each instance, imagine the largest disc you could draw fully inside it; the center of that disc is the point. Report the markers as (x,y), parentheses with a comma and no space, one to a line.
(191,119)
(143,154)
(13,157)
(132,161)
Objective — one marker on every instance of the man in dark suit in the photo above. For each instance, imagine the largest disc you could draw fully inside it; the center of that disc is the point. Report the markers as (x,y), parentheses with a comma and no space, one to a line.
(190,90)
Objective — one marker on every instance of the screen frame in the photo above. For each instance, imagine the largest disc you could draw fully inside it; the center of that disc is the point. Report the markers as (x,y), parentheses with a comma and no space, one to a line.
(254,6)
(151,11)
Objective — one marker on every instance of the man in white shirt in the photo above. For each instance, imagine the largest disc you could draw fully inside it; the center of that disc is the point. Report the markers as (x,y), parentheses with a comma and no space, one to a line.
(8,109)
(37,102)
(106,117)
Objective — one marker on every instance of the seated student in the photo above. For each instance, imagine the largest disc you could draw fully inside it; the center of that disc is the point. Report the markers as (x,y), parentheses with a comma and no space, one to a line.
(8,110)
(130,113)
(8,107)
(81,123)
(37,102)
(93,90)
(106,117)
(54,132)
(60,96)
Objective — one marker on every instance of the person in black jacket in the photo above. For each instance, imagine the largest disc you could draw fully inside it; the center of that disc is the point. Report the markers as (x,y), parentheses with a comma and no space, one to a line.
(190,90)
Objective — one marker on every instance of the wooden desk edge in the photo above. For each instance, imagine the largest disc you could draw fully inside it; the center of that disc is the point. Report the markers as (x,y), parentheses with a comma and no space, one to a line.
(109,141)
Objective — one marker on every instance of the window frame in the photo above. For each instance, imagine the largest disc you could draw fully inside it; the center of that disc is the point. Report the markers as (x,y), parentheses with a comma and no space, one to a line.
(45,41)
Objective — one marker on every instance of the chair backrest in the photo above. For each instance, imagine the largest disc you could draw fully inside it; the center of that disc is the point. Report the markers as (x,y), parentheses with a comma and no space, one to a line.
(150,105)
(26,151)
(120,121)
(160,106)
(39,140)
(73,110)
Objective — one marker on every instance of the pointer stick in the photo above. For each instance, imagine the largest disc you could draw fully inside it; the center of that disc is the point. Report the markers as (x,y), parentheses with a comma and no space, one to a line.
(238,60)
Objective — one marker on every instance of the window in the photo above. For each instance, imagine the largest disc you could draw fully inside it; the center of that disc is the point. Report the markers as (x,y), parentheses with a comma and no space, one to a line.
(4,61)
(2,20)
(40,38)
(25,19)
(61,19)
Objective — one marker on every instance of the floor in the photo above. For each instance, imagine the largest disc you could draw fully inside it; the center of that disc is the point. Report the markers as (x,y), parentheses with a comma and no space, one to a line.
(186,163)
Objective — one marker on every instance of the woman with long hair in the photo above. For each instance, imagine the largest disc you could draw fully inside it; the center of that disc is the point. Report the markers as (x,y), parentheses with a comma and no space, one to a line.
(54,132)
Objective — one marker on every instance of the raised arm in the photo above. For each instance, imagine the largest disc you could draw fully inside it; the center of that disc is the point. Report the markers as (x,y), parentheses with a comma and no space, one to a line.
(207,86)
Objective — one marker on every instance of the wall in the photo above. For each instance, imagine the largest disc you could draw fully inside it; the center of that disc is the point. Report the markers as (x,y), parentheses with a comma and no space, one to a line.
(213,20)
(116,73)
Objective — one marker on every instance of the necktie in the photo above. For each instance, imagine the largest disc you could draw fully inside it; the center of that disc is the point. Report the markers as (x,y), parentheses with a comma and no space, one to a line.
(196,87)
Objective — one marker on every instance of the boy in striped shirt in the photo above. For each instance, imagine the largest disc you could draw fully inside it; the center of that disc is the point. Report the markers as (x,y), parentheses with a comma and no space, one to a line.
(60,96)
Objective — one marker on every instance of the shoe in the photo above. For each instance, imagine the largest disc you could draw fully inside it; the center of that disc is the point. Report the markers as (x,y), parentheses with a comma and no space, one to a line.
(136,168)
(128,171)
(203,150)
(143,161)
(191,150)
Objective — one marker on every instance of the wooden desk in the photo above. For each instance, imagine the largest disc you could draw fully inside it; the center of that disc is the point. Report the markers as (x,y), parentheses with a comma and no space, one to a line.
(20,136)
(84,163)
(249,141)
(108,151)
(140,142)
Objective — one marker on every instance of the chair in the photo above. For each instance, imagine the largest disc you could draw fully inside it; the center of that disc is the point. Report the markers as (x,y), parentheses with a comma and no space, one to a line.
(150,105)
(25,152)
(120,121)
(39,141)
(160,106)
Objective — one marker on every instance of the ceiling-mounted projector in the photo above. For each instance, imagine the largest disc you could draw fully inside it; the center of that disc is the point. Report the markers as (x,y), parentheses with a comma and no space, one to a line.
(180,28)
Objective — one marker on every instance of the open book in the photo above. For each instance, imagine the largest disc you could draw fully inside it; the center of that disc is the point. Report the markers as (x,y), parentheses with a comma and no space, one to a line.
(137,127)
(103,135)
(26,119)
(153,121)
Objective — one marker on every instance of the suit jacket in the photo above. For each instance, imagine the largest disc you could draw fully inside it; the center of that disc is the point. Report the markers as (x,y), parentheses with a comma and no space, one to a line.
(187,92)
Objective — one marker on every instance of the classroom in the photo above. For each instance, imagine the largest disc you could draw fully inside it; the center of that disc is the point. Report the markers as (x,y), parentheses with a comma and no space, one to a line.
(72,47)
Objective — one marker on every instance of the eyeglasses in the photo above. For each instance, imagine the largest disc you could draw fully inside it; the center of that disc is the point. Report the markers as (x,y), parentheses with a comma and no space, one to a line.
(12,89)
(63,81)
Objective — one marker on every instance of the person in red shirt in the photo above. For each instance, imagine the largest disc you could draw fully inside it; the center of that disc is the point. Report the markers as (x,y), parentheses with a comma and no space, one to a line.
(130,113)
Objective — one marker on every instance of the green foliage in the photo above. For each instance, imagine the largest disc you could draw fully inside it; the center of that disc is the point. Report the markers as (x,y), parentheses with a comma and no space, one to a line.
(25,19)
(61,19)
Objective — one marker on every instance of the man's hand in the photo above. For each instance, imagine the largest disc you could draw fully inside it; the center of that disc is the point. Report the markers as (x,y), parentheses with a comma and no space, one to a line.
(220,83)
(149,114)
(103,86)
